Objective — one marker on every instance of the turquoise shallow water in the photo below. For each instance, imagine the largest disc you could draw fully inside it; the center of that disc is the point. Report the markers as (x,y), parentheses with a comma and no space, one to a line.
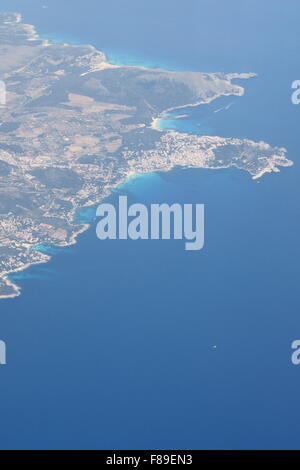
(114,346)
(114,57)
(61,38)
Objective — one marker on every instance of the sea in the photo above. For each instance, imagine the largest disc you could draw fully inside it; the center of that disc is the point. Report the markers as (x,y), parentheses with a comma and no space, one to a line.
(124,344)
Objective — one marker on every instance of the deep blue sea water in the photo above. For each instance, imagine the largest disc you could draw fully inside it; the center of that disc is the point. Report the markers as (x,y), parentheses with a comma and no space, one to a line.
(111,344)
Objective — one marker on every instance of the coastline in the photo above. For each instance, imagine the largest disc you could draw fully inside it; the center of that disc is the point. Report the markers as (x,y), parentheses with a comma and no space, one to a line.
(240,92)
(82,227)
(47,257)
(155,125)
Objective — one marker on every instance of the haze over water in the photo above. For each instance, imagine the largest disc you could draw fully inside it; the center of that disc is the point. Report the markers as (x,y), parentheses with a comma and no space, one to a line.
(126,344)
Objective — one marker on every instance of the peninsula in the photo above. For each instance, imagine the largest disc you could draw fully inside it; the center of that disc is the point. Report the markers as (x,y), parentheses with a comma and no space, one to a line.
(74,127)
